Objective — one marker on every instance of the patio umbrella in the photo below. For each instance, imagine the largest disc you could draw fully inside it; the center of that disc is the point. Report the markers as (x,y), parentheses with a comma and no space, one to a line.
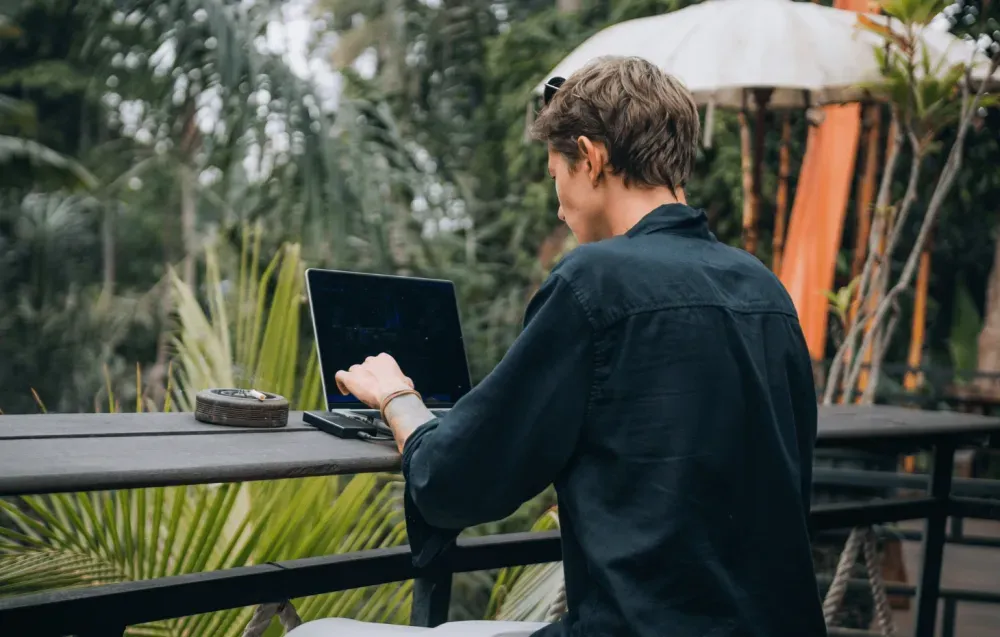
(780,53)
(807,53)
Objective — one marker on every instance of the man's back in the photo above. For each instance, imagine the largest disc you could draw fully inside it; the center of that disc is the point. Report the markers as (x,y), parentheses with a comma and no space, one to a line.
(684,507)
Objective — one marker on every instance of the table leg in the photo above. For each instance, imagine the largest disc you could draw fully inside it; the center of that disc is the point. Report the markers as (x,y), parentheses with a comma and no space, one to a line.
(934,540)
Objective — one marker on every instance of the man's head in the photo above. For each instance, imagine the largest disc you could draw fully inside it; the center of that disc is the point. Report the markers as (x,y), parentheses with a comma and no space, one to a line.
(619,131)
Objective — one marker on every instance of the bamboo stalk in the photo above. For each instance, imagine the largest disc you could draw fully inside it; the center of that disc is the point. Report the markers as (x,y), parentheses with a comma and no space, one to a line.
(866,192)
(879,278)
(781,200)
(917,334)
(864,238)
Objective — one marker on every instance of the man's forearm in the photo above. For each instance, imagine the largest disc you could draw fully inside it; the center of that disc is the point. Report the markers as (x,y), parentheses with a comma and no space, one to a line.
(404,414)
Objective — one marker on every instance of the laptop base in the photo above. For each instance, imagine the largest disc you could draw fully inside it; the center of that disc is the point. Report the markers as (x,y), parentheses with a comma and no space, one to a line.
(354,424)
(343,424)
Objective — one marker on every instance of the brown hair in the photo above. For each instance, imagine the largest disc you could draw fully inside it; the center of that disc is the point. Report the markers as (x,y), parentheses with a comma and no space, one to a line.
(646,118)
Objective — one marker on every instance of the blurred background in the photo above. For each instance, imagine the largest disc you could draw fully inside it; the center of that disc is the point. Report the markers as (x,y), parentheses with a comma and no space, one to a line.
(380,135)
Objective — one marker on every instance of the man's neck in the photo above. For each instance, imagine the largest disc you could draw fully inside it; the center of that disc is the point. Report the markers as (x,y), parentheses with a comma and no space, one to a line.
(633,204)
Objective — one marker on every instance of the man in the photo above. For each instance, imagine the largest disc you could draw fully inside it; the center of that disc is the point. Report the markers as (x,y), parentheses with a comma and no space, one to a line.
(661,382)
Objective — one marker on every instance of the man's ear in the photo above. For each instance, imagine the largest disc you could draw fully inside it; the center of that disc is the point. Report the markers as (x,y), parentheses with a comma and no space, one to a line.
(595,155)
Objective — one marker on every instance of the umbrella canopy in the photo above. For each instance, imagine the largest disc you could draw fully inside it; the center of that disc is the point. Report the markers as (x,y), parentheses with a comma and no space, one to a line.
(808,53)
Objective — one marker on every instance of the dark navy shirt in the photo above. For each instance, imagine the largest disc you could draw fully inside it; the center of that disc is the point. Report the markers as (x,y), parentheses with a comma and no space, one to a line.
(662,383)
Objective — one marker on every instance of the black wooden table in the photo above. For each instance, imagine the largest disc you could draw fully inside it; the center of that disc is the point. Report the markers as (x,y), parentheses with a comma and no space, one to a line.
(89,452)
(82,452)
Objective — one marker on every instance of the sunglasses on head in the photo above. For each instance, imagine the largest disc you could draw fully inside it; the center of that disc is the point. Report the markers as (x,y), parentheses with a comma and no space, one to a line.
(550,89)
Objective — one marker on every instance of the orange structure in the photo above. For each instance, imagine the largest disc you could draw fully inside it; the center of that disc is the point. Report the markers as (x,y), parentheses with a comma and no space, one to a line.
(817,222)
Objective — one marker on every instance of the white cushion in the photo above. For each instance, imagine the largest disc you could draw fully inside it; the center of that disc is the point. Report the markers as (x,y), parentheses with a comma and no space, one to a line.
(339,627)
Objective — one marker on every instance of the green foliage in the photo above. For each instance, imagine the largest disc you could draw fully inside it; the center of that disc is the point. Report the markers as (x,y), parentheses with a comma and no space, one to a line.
(422,170)
(965,327)
(914,12)
(527,593)
(250,335)
(924,93)
(73,540)
(840,303)
(85,539)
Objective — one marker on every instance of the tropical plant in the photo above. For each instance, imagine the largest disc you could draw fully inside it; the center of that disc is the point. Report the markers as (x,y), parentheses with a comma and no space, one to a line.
(529,593)
(92,538)
(925,99)
(250,335)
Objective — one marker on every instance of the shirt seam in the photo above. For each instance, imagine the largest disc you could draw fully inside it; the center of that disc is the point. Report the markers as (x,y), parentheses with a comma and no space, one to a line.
(580,300)
(594,333)
(646,309)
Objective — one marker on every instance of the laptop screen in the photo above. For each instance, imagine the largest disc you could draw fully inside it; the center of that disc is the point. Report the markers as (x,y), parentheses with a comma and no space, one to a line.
(413,320)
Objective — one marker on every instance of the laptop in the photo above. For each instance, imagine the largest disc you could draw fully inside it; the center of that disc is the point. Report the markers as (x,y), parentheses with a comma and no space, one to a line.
(414,320)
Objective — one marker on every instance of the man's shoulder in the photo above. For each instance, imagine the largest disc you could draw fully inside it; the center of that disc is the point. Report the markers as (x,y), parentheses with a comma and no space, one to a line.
(583,259)
(663,271)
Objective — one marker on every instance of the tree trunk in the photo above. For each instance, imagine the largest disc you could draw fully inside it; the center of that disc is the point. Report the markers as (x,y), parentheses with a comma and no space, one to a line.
(989,337)
(189,219)
(568,6)
(189,144)
(108,251)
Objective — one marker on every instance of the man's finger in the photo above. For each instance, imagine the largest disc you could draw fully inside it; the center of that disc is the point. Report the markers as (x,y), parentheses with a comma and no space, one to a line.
(342,378)
(409,381)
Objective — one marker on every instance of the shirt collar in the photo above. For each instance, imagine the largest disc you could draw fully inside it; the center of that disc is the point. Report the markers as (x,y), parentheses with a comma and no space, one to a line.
(674,218)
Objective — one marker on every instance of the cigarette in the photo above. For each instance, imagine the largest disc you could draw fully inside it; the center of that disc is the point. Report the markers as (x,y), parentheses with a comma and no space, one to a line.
(256,394)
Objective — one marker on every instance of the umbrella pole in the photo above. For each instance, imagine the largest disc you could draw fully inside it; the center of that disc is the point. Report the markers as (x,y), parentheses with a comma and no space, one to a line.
(761,97)
(781,201)
(746,172)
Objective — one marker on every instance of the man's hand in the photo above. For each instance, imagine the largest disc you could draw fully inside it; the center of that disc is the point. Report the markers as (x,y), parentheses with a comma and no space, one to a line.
(373,380)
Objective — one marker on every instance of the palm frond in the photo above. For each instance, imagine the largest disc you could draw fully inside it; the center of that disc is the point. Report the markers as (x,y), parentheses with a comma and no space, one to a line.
(526,593)
(35,156)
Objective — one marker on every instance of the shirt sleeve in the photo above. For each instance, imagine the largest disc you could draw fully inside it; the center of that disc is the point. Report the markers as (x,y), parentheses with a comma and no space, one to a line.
(512,435)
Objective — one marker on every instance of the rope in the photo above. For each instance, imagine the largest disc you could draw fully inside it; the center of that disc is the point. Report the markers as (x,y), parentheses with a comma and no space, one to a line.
(263,615)
(558,606)
(860,539)
(883,611)
(838,587)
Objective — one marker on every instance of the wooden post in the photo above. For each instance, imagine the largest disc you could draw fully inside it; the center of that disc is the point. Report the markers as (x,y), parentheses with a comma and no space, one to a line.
(781,201)
(745,170)
(750,222)
(866,191)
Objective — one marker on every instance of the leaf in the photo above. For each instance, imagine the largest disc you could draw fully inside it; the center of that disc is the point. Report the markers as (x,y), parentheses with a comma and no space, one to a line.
(527,593)
(37,155)
(83,539)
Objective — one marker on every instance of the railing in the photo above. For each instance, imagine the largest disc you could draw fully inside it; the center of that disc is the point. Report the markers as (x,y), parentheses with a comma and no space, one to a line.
(106,611)
(964,389)
(962,487)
